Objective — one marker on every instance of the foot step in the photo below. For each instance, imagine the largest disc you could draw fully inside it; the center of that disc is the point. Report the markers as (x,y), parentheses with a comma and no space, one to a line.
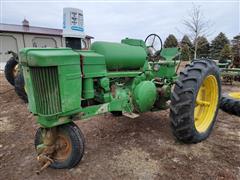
(130,115)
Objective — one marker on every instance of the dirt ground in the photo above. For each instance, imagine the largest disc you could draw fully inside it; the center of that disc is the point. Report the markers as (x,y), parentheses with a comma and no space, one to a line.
(121,148)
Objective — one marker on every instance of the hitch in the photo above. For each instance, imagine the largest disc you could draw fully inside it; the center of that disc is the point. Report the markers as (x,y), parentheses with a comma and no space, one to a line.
(45,162)
(46,149)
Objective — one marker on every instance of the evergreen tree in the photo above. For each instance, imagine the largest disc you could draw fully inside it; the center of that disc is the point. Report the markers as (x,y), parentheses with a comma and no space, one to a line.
(203,47)
(171,41)
(186,48)
(225,52)
(236,51)
(218,44)
(185,53)
(186,40)
(236,46)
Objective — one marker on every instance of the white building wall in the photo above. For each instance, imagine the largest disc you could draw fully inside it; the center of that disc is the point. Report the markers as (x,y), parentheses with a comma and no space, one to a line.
(17,41)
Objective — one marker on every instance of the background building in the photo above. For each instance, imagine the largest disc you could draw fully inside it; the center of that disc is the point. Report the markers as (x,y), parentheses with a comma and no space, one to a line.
(15,37)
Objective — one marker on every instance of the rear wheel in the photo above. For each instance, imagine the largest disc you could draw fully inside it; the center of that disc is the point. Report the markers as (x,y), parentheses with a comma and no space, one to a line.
(70,142)
(11,70)
(230,103)
(195,100)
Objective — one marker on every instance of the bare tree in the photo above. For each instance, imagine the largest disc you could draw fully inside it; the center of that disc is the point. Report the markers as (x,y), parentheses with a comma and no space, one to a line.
(197,26)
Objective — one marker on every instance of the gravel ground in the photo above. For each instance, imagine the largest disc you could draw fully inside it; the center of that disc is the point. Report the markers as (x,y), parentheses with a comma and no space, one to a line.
(121,148)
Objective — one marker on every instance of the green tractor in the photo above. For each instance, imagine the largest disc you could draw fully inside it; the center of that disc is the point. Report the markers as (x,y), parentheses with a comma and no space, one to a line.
(127,78)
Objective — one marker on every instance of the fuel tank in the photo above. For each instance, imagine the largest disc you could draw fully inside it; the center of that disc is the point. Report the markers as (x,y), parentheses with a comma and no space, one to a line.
(119,56)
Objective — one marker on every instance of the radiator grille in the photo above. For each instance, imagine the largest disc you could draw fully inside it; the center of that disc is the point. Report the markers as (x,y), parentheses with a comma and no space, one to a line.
(46,89)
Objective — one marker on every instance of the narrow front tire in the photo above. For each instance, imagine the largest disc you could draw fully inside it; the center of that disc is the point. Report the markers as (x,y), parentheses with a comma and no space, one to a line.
(19,87)
(72,143)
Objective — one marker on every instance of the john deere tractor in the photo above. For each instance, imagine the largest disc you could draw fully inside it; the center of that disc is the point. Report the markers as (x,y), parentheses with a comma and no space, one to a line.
(127,78)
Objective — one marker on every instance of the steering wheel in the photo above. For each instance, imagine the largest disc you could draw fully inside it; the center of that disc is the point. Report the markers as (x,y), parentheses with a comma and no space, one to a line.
(154,45)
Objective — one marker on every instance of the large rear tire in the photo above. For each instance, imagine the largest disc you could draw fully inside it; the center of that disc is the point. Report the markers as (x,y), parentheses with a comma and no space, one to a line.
(195,100)
(72,142)
(11,70)
(230,103)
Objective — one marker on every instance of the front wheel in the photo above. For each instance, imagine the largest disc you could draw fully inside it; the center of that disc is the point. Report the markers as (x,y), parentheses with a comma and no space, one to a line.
(195,100)
(70,142)
(19,87)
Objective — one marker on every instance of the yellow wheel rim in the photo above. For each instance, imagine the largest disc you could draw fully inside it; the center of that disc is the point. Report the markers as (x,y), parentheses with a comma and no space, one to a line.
(206,104)
(235,95)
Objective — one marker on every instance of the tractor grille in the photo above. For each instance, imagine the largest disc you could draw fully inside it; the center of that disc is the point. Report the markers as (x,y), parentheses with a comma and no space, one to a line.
(46,90)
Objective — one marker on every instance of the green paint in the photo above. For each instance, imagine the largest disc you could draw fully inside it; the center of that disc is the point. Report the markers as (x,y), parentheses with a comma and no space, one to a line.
(119,56)
(105,84)
(65,85)
(145,95)
(88,89)
(52,121)
(123,74)
(135,42)
(170,53)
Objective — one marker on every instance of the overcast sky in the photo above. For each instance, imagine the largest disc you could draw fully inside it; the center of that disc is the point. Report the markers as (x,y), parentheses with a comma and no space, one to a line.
(113,21)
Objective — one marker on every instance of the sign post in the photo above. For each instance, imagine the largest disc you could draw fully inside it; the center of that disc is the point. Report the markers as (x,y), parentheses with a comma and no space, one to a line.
(73,23)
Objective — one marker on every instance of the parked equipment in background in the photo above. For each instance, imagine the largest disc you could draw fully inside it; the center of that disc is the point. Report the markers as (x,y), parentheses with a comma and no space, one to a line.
(127,78)
(230,70)
(229,75)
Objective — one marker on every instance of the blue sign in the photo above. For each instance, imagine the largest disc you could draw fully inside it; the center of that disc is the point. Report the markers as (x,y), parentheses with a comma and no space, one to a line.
(77,28)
